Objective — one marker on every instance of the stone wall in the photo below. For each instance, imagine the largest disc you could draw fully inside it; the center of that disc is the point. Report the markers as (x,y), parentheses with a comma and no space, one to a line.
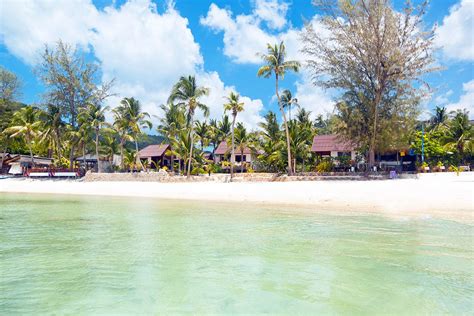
(245,177)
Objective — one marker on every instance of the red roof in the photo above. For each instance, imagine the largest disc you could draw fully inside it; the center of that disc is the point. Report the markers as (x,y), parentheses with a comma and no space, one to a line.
(330,143)
(223,149)
(153,151)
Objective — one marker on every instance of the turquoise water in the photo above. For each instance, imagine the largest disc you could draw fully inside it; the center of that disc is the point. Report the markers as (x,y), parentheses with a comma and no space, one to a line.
(89,255)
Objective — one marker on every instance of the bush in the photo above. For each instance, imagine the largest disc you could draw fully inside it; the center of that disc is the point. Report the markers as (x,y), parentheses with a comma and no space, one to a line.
(325,166)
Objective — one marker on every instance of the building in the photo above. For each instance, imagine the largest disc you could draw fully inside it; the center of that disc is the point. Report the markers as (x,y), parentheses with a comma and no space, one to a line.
(222,153)
(19,164)
(89,162)
(156,156)
(332,146)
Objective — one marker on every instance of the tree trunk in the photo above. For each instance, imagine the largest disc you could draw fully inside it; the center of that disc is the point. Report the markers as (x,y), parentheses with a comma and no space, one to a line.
(122,163)
(3,157)
(171,162)
(97,149)
(241,160)
(84,154)
(58,145)
(290,170)
(373,138)
(31,150)
(232,153)
(138,157)
(191,136)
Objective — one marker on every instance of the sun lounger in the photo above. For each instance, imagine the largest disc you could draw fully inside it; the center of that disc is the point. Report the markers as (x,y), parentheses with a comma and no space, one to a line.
(39,174)
(65,174)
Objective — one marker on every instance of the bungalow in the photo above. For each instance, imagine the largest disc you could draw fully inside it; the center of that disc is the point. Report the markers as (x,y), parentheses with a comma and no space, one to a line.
(332,146)
(222,153)
(89,161)
(19,164)
(156,155)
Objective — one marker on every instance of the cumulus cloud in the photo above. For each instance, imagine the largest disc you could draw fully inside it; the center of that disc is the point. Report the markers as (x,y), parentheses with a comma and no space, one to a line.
(272,12)
(25,26)
(454,35)
(465,100)
(144,50)
(313,98)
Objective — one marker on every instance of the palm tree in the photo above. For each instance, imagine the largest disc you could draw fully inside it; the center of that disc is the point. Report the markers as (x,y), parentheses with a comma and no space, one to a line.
(136,120)
(459,133)
(109,144)
(275,64)
(94,116)
(440,117)
(202,132)
(234,106)
(25,124)
(52,126)
(171,123)
(187,93)
(122,128)
(287,101)
(242,141)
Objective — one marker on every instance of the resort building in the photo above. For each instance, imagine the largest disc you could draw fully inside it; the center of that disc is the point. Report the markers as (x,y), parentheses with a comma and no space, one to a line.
(89,162)
(156,156)
(332,146)
(18,164)
(222,153)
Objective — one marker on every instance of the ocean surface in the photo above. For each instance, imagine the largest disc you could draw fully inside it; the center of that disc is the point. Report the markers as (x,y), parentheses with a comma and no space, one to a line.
(101,255)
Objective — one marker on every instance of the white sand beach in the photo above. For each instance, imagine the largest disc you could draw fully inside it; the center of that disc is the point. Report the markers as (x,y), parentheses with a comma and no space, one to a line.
(445,195)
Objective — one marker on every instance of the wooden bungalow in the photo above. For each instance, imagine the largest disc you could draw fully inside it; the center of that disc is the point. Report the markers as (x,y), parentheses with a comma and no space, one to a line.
(156,156)
(332,146)
(223,151)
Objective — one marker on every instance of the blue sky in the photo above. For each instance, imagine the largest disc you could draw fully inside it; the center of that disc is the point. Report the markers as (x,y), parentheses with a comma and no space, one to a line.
(146,45)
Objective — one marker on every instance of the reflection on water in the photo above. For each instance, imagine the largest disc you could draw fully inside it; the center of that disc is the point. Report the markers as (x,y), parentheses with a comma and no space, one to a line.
(108,255)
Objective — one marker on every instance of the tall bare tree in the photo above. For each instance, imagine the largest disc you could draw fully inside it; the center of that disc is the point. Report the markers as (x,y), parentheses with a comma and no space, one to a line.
(71,82)
(377,56)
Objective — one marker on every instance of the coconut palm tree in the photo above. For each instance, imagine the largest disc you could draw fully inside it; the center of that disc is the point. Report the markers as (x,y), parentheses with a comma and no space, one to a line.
(242,141)
(440,117)
(109,144)
(170,125)
(94,116)
(234,106)
(275,63)
(459,134)
(202,132)
(187,94)
(25,124)
(122,128)
(52,127)
(136,120)
(287,101)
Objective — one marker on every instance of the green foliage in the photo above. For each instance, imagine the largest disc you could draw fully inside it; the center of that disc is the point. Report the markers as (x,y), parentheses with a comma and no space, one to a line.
(326,165)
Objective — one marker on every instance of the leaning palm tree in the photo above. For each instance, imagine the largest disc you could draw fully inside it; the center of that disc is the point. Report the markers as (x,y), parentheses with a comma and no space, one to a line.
(275,64)
(287,101)
(234,106)
(136,120)
(25,124)
(94,116)
(187,93)
(202,131)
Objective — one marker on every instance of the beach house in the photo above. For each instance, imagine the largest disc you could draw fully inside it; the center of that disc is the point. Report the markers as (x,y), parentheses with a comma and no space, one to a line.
(332,146)
(156,156)
(222,153)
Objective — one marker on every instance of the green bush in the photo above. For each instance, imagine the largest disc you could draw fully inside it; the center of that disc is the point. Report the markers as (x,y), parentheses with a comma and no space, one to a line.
(325,166)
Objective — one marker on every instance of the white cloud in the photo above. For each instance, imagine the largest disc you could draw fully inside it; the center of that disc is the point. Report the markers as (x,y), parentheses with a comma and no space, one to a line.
(272,12)
(144,50)
(243,37)
(216,99)
(313,98)
(455,33)
(466,100)
(443,99)
(25,26)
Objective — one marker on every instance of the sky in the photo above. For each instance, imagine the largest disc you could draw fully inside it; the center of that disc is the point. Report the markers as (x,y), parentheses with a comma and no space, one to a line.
(146,45)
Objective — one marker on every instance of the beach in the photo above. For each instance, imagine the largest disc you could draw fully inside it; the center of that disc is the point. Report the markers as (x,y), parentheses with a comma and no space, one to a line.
(440,195)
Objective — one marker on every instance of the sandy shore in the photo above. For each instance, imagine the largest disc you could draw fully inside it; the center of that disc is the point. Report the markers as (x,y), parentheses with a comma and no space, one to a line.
(445,195)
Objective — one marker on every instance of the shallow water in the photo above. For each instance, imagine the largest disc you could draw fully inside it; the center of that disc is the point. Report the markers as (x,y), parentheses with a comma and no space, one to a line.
(91,255)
